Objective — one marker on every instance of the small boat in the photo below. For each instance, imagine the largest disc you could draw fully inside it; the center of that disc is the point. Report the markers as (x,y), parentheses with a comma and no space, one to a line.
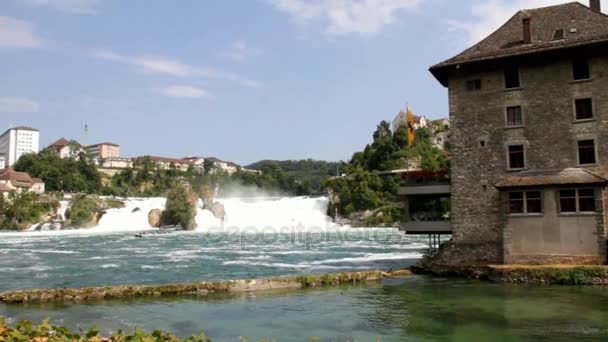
(162,231)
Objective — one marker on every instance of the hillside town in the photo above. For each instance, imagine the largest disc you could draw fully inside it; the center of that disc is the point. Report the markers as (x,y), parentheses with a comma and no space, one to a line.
(22,140)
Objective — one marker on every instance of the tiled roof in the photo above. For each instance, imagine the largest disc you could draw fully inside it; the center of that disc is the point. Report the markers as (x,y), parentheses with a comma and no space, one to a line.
(18,179)
(60,143)
(550,177)
(581,25)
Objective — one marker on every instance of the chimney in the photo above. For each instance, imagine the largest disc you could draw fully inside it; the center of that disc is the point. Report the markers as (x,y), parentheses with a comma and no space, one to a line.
(596,5)
(527,31)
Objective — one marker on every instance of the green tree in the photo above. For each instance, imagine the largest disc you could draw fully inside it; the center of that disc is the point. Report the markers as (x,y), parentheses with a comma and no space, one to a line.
(180,208)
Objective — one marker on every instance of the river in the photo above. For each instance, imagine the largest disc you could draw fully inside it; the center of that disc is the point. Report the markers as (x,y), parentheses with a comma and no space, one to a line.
(283,236)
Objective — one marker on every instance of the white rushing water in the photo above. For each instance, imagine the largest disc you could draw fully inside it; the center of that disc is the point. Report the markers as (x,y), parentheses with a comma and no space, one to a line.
(277,214)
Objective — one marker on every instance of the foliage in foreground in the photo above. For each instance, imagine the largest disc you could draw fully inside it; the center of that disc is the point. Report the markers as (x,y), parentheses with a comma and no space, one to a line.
(45,332)
(20,210)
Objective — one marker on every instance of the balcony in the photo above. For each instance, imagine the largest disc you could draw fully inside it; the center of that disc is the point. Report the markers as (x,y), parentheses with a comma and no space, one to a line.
(421,190)
(427,228)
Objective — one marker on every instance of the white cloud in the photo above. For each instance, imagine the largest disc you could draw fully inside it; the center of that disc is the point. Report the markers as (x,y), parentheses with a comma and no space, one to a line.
(184,91)
(18,105)
(68,6)
(239,51)
(347,16)
(15,33)
(489,15)
(169,66)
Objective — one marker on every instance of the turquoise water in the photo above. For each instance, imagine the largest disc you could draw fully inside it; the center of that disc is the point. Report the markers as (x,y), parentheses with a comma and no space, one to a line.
(399,309)
(33,260)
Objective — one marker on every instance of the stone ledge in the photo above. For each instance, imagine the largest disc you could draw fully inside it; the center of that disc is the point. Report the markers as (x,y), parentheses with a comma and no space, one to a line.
(195,288)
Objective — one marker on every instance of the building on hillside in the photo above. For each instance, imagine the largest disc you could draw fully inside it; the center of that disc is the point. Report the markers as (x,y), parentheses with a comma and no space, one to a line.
(224,166)
(64,148)
(529,140)
(401,120)
(197,162)
(164,163)
(11,180)
(116,163)
(18,141)
(103,151)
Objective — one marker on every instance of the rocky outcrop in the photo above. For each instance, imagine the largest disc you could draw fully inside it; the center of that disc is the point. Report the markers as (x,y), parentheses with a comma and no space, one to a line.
(180,208)
(216,208)
(154,218)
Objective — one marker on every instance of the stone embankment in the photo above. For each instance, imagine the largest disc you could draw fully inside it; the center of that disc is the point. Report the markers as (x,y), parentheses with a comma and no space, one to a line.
(524,274)
(196,288)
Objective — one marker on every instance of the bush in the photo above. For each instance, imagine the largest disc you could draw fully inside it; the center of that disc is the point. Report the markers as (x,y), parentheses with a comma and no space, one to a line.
(25,331)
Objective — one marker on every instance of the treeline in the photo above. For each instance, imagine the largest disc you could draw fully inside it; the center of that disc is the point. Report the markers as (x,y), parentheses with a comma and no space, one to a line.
(364,188)
(299,177)
(145,179)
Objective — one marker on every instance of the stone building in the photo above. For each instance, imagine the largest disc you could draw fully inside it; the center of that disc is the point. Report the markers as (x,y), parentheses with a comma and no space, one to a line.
(529,140)
(103,151)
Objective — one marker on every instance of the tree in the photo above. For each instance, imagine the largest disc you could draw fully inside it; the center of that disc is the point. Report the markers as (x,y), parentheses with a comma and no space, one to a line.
(180,208)
(208,166)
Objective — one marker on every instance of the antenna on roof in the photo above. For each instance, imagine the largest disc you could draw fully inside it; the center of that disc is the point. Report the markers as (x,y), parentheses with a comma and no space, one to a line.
(86,135)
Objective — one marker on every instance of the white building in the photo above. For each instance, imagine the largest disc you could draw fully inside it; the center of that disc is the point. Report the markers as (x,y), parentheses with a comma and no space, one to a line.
(401,120)
(18,141)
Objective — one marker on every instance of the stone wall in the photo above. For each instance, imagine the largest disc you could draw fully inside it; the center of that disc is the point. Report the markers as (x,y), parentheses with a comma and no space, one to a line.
(480,138)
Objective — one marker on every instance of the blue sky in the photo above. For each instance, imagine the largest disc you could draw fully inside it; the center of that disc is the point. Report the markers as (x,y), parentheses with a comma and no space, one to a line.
(243,80)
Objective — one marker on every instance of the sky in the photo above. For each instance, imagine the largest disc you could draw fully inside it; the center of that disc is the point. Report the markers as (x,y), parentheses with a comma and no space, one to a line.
(243,80)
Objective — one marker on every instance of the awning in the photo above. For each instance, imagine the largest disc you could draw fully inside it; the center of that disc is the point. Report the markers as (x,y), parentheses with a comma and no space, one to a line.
(550,177)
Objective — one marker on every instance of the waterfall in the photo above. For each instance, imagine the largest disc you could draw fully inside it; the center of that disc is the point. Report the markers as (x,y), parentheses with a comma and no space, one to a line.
(251,214)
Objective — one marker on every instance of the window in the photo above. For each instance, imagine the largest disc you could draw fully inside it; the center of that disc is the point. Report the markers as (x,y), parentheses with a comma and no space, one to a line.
(516,157)
(586,152)
(514,117)
(534,202)
(584,109)
(512,77)
(473,85)
(580,69)
(577,201)
(567,201)
(559,34)
(521,203)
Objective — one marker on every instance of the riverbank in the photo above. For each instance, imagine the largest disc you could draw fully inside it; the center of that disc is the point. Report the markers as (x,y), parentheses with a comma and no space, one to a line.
(524,274)
(195,288)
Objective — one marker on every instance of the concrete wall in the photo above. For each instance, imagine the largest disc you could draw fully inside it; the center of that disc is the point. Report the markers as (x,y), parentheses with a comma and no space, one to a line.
(553,238)
(479,136)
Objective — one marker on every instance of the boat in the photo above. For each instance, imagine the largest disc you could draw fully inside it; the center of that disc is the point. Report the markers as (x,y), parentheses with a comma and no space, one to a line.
(162,231)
